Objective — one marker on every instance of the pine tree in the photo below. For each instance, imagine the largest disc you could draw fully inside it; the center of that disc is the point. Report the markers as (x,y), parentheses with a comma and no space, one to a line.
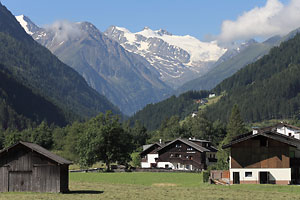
(235,127)
(235,124)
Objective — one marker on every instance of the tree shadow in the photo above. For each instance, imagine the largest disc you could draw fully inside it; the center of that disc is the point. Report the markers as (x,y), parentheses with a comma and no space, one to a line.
(84,192)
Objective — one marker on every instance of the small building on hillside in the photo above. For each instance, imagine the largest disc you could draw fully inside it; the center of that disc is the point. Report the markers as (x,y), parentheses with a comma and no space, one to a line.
(182,154)
(29,167)
(212,95)
(266,155)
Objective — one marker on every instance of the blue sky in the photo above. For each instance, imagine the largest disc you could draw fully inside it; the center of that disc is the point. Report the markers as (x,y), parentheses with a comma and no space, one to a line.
(198,18)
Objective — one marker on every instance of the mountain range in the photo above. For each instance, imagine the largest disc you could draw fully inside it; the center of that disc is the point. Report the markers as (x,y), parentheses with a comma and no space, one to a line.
(234,60)
(63,93)
(266,89)
(126,79)
(136,69)
(178,59)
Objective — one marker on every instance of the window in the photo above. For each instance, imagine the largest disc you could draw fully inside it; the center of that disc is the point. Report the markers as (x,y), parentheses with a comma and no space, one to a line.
(248,174)
(292,154)
(263,142)
(187,166)
(190,149)
(178,145)
(171,155)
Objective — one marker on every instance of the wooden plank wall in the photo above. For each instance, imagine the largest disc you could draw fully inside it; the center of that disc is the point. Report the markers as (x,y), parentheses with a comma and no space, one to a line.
(64,178)
(249,154)
(3,179)
(47,178)
(20,181)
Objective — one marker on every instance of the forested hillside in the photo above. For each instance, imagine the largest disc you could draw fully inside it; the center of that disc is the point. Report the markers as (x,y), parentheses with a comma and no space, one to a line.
(44,73)
(153,114)
(266,89)
(227,68)
(20,107)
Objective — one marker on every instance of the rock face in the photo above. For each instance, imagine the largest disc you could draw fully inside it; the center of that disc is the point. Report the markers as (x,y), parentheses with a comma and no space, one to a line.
(178,59)
(126,79)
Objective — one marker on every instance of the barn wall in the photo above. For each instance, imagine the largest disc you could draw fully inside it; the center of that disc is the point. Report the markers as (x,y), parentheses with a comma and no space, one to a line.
(46,178)
(64,178)
(3,179)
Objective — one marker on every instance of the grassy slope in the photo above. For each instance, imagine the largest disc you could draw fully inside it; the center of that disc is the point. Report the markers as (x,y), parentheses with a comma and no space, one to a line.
(94,186)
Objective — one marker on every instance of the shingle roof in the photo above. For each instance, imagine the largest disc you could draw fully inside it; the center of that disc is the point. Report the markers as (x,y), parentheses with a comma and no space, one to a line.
(273,128)
(41,151)
(195,146)
(150,146)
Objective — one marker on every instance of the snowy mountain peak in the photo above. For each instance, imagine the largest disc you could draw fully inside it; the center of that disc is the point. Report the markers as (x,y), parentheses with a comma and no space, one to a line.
(162,32)
(146,28)
(177,58)
(199,51)
(27,24)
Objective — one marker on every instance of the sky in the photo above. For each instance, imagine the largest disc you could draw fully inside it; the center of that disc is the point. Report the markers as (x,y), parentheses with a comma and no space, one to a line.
(222,20)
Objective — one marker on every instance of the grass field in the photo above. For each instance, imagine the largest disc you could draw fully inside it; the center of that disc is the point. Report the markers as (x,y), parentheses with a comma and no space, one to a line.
(95,186)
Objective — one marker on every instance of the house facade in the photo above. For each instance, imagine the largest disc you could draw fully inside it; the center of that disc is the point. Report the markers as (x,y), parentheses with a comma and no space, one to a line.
(268,155)
(149,155)
(183,154)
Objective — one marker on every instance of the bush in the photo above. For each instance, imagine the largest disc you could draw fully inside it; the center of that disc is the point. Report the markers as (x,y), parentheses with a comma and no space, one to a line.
(205,175)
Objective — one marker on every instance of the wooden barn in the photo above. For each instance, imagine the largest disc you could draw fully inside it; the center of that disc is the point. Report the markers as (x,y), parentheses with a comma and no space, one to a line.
(29,167)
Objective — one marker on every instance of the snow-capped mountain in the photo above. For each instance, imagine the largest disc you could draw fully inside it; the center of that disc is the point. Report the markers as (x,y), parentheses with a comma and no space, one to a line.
(125,78)
(177,58)
(27,24)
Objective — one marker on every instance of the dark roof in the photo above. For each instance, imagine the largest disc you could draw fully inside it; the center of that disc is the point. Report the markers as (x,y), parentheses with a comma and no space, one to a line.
(273,128)
(41,151)
(288,125)
(269,134)
(150,146)
(188,142)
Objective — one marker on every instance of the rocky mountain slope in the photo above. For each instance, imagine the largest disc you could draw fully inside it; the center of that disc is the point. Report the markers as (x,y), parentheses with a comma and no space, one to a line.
(178,59)
(126,79)
(34,66)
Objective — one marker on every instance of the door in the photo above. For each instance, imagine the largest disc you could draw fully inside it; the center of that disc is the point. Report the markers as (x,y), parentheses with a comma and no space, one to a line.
(236,177)
(3,179)
(20,181)
(263,177)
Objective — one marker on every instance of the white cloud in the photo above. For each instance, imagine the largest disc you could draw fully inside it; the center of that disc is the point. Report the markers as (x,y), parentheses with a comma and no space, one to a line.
(274,18)
(64,30)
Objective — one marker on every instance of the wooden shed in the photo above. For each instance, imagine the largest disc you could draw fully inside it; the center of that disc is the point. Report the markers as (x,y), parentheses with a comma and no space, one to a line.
(29,167)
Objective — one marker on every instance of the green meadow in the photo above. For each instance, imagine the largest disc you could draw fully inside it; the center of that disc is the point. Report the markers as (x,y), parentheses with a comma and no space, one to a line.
(160,186)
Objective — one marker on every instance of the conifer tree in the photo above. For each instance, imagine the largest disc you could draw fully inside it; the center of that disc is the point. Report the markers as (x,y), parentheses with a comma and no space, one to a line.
(235,124)
(235,127)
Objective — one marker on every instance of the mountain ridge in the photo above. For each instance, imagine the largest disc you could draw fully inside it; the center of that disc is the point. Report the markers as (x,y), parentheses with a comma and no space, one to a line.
(177,58)
(34,65)
(126,79)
